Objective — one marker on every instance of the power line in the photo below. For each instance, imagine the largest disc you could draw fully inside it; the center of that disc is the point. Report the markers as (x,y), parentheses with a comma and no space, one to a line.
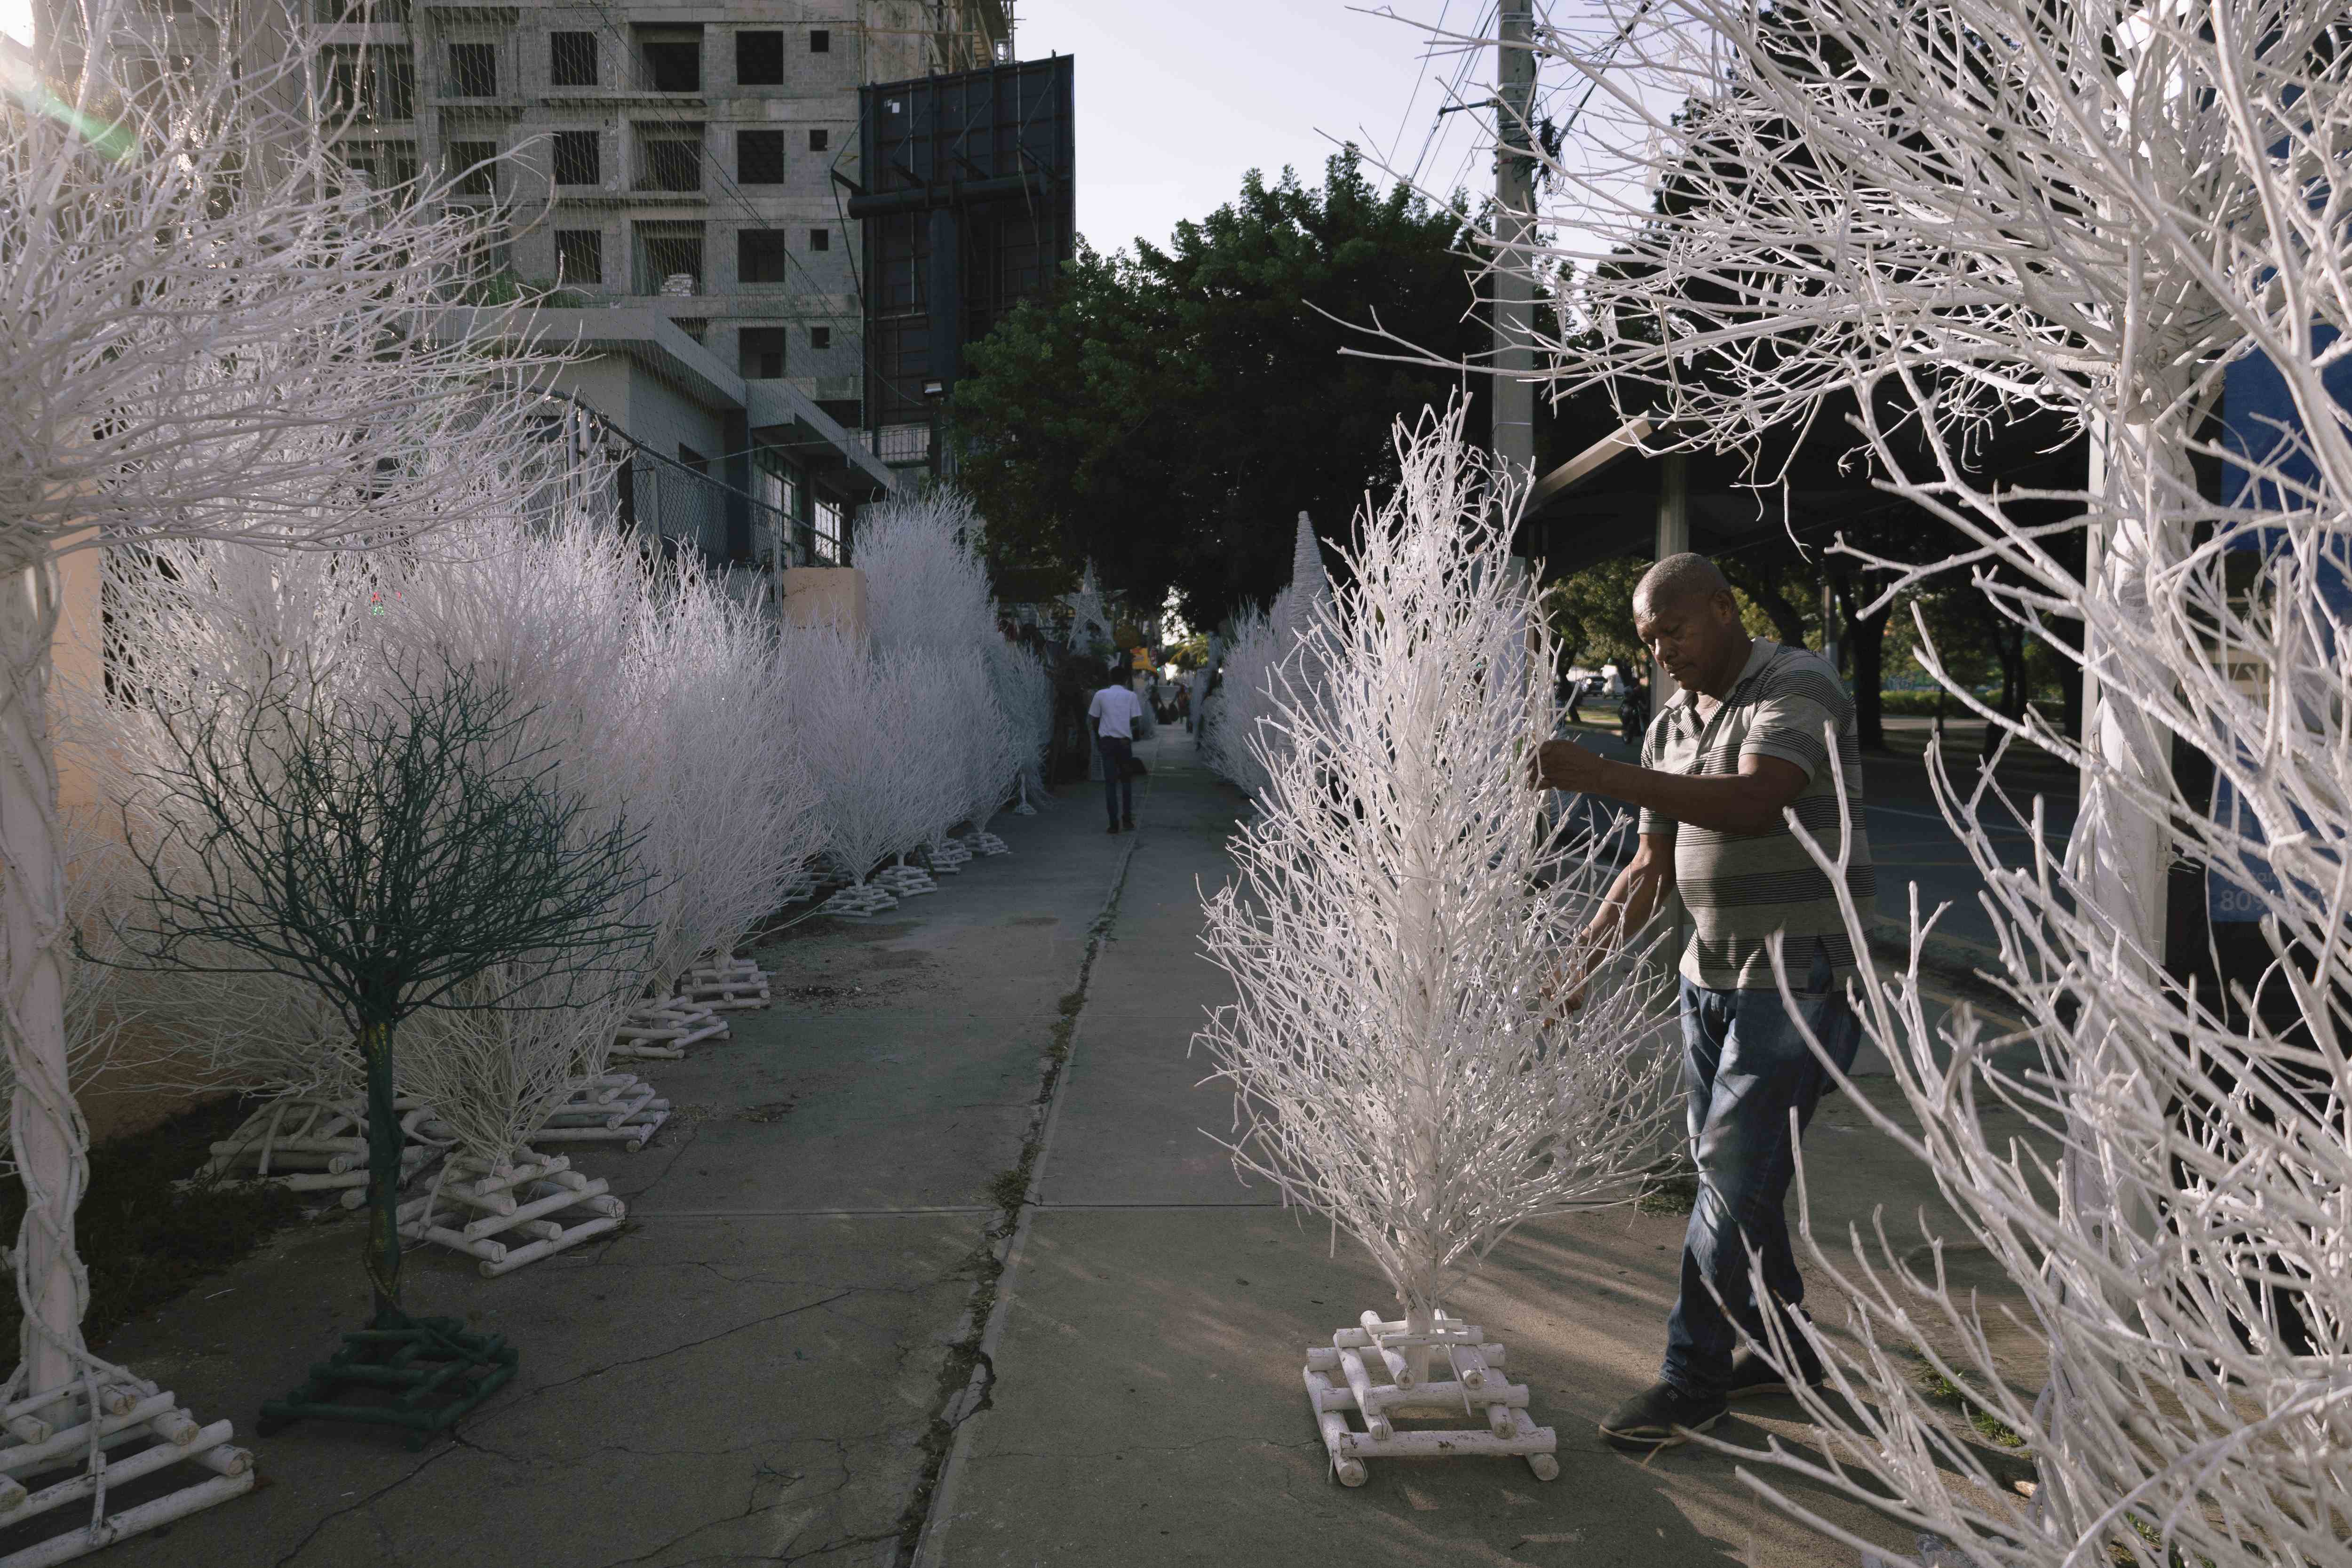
(1487,16)
(1420,82)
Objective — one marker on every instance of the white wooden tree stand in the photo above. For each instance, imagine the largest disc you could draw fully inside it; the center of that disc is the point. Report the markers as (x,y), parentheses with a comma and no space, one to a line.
(906,882)
(859,901)
(798,889)
(310,1145)
(947,854)
(613,1108)
(980,841)
(726,985)
(511,1213)
(1340,1379)
(661,1030)
(49,1434)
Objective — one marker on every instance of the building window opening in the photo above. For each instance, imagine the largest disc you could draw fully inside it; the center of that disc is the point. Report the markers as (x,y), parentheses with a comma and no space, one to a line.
(579,158)
(820,41)
(762,351)
(571,59)
(760,157)
(820,337)
(828,530)
(669,157)
(673,58)
(820,140)
(474,166)
(580,256)
(759,60)
(373,83)
(473,70)
(669,258)
(760,256)
(819,239)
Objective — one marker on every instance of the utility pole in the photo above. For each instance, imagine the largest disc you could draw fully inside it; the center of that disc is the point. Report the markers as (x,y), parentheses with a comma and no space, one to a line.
(1513,276)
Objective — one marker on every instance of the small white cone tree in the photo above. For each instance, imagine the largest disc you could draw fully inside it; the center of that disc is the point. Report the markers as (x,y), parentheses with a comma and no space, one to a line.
(1268,653)
(209,331)
(1231,736)
(1025,693)
(1396,911)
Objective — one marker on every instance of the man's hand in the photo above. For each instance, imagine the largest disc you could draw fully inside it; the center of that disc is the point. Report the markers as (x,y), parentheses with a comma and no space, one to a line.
(1564,992)
(1564,765)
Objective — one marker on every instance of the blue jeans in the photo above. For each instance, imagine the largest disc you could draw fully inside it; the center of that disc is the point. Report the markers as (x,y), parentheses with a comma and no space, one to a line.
(1746,1066)
(1118,790)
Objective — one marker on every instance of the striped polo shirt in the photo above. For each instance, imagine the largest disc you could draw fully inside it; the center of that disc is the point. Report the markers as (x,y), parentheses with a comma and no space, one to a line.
(1742,887)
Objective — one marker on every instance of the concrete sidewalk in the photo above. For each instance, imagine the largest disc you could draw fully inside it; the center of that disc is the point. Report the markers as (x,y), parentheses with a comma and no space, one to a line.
(753,1369)
(1146,1406)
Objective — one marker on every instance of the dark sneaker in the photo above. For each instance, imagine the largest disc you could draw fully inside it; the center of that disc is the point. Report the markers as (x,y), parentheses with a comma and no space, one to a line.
(1660,1417)
(1127,825)
(1114,827)
(1751,1375)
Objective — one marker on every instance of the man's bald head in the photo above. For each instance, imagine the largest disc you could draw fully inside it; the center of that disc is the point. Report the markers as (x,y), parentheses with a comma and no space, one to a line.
(1685,611)
(1676,580)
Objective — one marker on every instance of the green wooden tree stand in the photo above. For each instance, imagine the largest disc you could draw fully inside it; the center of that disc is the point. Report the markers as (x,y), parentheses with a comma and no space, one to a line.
(421,1374)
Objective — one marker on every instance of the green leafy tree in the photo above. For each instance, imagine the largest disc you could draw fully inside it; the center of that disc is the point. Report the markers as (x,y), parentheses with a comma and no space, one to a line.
(1590,613)
(1171,412)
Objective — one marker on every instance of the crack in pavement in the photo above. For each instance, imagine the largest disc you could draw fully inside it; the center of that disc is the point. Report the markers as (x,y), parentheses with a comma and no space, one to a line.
(675,1350)
(303,1545)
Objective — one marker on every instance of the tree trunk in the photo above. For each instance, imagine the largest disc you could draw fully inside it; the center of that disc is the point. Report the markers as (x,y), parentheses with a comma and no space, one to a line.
(1763,588)
(1865,640)
(50,1141)
(380,1240)
(2007,639)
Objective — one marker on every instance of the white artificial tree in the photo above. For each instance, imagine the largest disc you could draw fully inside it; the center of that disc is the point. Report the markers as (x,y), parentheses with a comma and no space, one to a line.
(854,710)
(209,332)
(1959,213)
(927,591)
(1397,908)
(1267,658)
(733,812)
(1231,731)
(1025,695)
(926,581)
(492,1077)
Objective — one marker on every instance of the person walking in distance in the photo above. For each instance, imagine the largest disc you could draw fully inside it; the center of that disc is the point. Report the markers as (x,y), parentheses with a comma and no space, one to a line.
(1739,752)
(1114,711)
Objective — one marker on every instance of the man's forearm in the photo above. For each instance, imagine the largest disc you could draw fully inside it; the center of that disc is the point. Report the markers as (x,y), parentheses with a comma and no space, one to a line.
(1630,902)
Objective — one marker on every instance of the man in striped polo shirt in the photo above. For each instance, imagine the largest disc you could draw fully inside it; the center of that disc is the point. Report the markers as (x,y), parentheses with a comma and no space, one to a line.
(1741,750)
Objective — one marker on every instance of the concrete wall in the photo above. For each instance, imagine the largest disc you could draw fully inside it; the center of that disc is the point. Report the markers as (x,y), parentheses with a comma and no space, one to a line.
(825,595)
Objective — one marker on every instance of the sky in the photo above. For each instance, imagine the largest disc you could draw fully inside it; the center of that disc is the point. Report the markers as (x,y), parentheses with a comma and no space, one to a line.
(1177,102)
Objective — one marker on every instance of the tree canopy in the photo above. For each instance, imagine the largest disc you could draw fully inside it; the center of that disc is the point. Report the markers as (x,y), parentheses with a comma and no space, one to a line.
(1170,413)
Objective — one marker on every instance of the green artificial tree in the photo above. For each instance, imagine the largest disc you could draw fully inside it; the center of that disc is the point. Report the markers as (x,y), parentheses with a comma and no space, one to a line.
(391,849)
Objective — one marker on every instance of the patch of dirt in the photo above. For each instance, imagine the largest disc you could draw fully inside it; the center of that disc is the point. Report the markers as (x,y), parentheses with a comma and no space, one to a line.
(822,992)
(774,1111)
